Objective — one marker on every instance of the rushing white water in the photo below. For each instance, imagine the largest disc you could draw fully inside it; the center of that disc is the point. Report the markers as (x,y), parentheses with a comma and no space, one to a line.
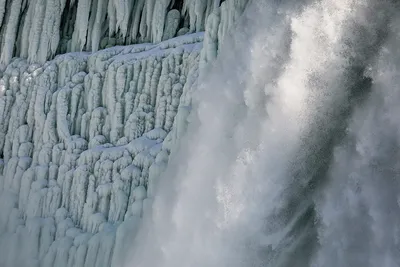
(291,156)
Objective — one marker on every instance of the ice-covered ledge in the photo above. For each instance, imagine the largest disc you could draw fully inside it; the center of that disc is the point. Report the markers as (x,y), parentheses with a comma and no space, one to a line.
(83,137)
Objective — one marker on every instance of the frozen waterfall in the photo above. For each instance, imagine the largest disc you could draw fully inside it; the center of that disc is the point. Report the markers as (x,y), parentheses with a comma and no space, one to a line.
(199,133)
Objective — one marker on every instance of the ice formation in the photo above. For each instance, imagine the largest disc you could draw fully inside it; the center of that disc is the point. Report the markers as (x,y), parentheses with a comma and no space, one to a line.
(40,29)
(85,136)
(80,136)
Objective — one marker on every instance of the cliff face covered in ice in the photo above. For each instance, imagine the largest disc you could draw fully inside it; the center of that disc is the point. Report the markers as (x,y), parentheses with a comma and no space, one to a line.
(85,135)
(40,29)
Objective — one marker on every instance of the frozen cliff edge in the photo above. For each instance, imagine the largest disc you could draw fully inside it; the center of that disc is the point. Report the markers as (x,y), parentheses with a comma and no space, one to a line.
(40,29)
(84,138)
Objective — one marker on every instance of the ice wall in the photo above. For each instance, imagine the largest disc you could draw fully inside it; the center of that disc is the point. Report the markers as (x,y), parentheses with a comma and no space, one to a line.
(81,136)
(39,29)
(84,136)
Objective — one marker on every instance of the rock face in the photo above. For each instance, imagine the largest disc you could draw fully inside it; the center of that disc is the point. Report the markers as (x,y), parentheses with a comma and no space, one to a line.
(84,136)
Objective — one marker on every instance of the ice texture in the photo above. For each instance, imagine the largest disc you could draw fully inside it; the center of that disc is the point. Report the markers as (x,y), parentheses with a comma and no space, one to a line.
(84,136)
(40,29)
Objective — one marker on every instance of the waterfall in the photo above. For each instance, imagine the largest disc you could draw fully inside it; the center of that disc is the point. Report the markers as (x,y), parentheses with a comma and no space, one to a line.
(291,154)
(200,133)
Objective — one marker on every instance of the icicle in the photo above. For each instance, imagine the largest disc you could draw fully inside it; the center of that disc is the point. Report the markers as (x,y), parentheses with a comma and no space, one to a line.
(81,25)
(35,30)
(50,35)
(158,21)
(26,29)
(100,17)
(123,12)
(11,32)
(2,10)
(149,9)
(112,18)
(136,13)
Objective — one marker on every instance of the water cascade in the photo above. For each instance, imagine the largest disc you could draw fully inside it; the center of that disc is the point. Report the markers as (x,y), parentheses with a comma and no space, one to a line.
(290,158)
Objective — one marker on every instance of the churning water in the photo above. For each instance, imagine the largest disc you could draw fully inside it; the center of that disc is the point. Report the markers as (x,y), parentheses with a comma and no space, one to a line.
(292,155)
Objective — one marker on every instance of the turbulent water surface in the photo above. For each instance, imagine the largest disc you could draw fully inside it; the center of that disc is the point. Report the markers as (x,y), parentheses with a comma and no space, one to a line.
(292,154)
